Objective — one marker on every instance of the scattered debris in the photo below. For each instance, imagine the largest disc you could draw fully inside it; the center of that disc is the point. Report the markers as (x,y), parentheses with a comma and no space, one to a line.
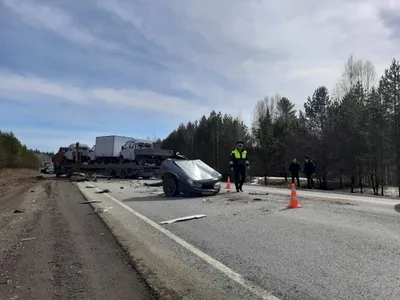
(159,183)
(235,214)
(121,187)
(78,179)
(91,201)
(103,191)
(100,210)
(258,193)
(94,177)
(5,282)
(158,193)
(78,174)
(207,200)
(89,187)
(78,272)
(28,239)
(183,219)
(39,177)
(257,199)
(19,211)
(32,191)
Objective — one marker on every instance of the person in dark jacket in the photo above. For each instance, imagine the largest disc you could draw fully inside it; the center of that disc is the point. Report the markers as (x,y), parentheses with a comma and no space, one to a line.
(295,169)
(309,170)
(238,163)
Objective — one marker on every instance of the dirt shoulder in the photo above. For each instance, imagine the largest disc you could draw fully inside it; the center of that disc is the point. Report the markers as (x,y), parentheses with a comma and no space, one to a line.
(15,179)
(53,247)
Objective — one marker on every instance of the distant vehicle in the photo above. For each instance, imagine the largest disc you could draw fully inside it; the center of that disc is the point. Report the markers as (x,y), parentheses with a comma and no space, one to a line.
(71,154)
(188,177)
(107,148)
(48,168)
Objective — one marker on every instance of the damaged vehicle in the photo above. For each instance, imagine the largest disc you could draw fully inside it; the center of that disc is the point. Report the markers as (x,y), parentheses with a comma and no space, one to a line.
(188,177)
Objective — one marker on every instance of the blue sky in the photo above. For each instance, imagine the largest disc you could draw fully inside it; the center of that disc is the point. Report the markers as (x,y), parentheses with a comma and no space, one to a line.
(72,70)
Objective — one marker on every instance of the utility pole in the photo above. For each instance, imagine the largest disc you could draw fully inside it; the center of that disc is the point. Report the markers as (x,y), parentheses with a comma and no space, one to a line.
(77,157)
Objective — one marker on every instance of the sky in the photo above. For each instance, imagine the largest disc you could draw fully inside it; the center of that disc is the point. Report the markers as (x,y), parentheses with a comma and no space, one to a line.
(71,70)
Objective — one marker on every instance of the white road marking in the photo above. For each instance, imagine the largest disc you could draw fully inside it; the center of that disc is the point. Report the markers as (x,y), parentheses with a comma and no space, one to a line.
(255,289)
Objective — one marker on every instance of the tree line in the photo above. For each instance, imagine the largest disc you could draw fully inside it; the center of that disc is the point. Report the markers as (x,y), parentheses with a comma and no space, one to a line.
(13,154)
(352,134)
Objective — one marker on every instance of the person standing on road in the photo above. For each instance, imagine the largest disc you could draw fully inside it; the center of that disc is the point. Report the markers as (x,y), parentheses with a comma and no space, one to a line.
(309,169)
(238,163)
(295,169)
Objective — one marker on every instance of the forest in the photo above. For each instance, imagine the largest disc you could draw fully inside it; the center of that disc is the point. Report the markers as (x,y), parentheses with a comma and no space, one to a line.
(352,134)
(13,154)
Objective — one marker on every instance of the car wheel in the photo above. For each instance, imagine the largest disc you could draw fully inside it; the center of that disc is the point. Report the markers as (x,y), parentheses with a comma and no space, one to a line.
(170,186)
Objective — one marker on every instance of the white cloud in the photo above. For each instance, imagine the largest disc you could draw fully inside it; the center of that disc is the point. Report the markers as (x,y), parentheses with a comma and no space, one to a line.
(58,21)
(261,44)
(13,85)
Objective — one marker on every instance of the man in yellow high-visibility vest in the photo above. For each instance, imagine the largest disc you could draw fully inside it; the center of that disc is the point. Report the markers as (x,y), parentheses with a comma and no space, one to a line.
(238,163)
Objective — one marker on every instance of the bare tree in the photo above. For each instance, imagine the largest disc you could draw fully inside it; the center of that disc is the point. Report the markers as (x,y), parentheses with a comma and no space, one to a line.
(267,105)
(355,70)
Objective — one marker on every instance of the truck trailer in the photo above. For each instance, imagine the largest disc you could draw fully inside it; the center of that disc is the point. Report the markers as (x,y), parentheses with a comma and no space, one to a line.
(145,168)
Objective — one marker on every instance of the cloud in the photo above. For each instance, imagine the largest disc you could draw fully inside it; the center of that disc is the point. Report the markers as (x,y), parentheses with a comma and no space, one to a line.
(166,62)
(46,17)
(19,86)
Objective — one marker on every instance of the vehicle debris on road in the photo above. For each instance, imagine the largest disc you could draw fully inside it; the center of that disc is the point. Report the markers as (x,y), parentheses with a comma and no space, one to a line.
(100,210)
(103,191)
(258,193)
(19,211)
(91,201)
(28,239)
(153,184)
(183,219)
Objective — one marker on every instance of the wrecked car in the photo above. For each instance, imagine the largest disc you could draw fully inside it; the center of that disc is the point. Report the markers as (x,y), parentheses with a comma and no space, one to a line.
(190,177)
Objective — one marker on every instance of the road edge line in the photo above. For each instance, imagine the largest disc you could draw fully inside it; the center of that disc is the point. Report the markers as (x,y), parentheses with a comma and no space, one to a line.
(248,285)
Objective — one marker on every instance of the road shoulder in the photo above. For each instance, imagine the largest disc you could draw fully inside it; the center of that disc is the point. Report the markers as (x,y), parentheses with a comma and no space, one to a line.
(56,248)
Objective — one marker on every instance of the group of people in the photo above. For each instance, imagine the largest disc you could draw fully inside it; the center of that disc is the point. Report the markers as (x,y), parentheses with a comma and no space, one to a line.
(309,170)
(239,162)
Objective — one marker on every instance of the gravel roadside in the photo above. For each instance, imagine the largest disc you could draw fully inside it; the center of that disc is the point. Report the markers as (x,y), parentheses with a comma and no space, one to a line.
(52,247)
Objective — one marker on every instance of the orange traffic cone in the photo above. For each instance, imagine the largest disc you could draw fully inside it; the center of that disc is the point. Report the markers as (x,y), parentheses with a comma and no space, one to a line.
(294,202)
(228,183)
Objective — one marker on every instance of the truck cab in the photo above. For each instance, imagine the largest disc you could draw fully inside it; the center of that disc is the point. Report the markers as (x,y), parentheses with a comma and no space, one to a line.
(129,150)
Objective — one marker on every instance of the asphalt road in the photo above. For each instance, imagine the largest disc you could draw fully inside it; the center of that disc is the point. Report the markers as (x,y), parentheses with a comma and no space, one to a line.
(53,247)
(336,247)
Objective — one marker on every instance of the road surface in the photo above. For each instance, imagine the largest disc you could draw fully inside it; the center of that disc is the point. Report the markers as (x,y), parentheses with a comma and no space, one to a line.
(52,247)
(251,247)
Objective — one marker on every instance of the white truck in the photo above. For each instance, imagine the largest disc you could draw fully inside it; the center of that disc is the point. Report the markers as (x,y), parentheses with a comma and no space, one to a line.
(142,152)
(84,150)
(107,148)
